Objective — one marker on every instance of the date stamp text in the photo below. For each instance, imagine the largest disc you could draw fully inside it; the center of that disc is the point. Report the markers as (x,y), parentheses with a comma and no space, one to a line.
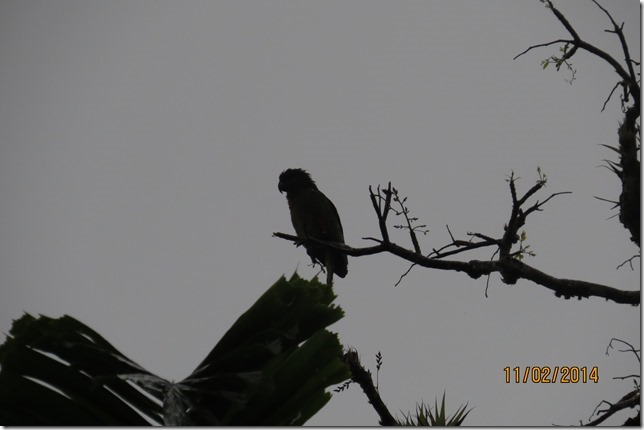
(551,374)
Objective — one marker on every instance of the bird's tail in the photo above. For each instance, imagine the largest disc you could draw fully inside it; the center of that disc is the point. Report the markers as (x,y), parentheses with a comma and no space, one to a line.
(337,263)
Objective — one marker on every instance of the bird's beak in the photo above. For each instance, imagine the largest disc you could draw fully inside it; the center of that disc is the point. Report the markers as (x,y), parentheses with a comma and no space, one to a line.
(279,187)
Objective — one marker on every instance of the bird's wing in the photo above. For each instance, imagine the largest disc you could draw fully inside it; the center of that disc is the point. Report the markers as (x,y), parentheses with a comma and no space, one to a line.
(317,217)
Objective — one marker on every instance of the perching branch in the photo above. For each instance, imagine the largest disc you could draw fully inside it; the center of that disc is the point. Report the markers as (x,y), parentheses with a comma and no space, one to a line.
(508,264)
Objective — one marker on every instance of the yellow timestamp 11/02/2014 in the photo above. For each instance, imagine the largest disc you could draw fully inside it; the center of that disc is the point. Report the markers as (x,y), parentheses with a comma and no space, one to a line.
(551,374)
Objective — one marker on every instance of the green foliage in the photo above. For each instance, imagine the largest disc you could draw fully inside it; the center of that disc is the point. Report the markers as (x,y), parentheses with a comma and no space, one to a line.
(565,51)
(424,416)
(271,368)
(523,249)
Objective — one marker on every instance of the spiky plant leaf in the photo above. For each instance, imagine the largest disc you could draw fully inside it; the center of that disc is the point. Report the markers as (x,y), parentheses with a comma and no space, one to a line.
(47,377)
(425,417)
(272,367)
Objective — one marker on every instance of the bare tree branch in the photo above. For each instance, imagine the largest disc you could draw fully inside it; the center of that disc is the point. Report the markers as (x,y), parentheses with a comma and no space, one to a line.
(629,172)
(405,212)
(619,31)
(508,265)
(541,45)
(610,95)
(628,78)
(629,261)
(377,202)
(630,400)
(363,378)
(463,246)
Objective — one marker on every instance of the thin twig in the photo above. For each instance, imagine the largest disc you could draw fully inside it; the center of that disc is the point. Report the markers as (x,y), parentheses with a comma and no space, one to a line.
(611,94)
(629,261)
(541,45)
(631,348)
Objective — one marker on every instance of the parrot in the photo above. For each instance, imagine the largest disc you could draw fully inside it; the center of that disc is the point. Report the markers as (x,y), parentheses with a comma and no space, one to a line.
(314,216)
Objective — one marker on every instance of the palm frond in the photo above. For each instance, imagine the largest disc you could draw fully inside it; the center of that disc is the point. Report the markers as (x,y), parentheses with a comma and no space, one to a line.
(271,368)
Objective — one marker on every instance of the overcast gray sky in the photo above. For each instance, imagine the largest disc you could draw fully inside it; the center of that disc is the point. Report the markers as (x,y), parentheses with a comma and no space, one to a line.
(141,143)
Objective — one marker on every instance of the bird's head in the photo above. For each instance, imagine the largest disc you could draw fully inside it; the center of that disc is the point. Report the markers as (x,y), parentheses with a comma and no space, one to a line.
(294,180)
